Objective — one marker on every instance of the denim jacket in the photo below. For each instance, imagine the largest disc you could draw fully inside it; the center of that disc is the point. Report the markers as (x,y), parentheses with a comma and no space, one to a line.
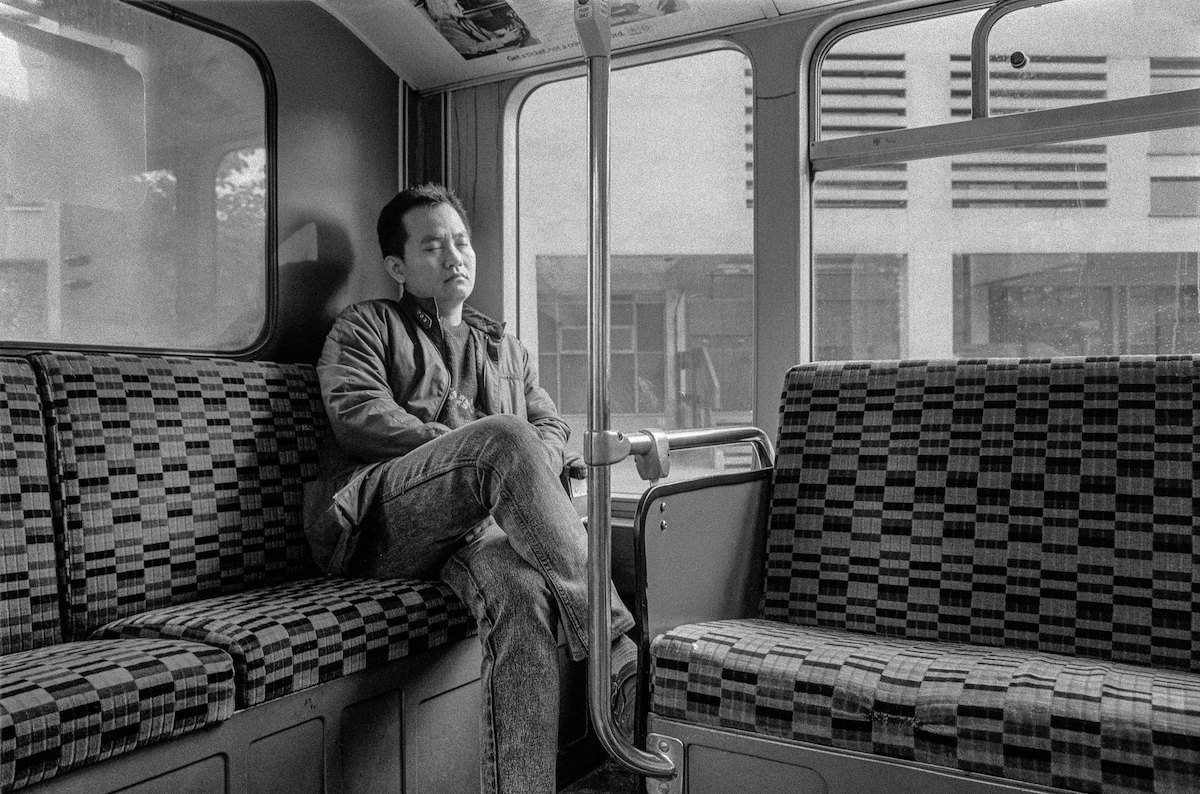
(384,379)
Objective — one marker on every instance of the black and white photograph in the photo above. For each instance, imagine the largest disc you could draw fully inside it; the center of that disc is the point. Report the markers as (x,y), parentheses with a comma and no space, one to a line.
(599,397)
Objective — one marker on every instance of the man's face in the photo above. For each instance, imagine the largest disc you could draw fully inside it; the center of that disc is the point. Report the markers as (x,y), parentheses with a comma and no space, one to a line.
(438,261)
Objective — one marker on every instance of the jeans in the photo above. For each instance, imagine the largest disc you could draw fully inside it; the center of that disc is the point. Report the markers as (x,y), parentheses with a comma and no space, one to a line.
(522,575)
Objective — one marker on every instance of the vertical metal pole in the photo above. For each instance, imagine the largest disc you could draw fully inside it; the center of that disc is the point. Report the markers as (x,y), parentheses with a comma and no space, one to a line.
(591,20)
(599,477)
(598,292)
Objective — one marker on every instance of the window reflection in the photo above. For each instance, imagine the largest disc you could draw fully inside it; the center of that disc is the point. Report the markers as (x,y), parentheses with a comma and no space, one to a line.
(132,182)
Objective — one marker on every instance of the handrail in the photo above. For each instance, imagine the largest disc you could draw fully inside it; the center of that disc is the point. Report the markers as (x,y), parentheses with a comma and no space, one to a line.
(694,438)
(592,22)
(651,447)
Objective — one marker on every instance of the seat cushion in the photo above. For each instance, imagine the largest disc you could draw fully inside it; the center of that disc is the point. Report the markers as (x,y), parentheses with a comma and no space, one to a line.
(1055,720)
(64,706)
(292,636)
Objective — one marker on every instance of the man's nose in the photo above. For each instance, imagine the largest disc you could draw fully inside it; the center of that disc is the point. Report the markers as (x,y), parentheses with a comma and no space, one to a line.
(453,257)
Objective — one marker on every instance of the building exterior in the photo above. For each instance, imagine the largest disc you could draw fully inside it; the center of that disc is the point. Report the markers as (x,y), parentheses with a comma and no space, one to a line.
(1080,248)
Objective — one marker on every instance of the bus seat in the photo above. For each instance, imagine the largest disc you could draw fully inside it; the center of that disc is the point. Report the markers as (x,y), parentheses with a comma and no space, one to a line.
(980,575)
(154,503)
(64,705)
(181,486)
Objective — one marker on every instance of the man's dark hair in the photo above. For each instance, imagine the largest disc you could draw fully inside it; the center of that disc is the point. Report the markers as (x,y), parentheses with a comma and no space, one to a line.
(392,234)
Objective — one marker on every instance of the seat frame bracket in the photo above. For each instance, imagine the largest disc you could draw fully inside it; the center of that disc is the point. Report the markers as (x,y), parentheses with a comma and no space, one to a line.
(672,749)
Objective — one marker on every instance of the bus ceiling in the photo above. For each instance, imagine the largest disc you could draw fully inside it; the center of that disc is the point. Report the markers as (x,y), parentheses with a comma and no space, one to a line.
(437,44)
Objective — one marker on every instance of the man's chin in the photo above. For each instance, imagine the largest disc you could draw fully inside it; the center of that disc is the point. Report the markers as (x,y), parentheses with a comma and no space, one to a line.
(454,295)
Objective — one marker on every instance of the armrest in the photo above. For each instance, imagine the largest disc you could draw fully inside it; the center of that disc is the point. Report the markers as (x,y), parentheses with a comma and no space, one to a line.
(699,549)
(711,565)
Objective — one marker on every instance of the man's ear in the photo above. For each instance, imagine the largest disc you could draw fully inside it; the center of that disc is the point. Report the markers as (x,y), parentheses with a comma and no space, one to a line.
(394,266)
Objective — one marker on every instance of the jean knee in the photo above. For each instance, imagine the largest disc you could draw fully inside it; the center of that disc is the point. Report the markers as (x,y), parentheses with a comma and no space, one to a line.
(511,436)
(508,426)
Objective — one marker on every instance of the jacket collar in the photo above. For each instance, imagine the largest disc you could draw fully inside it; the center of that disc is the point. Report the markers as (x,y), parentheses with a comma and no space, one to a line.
(425,313)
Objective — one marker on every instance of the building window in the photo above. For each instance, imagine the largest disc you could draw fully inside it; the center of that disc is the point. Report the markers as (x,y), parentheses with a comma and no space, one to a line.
(682,312)
(1175,196)
(860,304)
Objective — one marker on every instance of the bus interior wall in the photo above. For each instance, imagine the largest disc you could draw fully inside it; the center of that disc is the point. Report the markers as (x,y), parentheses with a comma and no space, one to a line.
(338,163)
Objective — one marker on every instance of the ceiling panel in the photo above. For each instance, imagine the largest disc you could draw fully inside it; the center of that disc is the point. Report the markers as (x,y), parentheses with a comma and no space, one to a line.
(438,43)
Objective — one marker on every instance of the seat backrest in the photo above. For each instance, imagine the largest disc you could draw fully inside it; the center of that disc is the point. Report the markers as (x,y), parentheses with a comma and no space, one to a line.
(1045,504)
(176,478)
(29,606)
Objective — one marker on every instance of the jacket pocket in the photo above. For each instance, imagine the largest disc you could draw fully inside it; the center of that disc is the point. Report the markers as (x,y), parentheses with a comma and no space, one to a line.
(333,521)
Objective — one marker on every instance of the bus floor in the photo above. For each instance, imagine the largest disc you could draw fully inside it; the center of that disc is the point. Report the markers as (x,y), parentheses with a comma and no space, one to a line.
(608,778)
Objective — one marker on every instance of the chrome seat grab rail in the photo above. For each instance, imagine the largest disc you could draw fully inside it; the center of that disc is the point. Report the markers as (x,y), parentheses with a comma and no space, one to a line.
(652,449)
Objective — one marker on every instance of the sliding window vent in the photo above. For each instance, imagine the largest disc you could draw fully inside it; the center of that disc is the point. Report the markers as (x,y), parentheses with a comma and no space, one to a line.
(1056,176)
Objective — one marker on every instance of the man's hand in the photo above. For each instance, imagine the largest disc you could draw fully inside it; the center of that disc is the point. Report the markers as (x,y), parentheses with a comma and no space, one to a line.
(569,464)
(434,429)
(574,467)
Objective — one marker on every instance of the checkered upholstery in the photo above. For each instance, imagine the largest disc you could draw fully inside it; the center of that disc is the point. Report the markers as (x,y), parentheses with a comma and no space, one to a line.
(1049,719)
(296,635)
(177,478)
(67,705)
(992,565)
(28,590)
(1049,505)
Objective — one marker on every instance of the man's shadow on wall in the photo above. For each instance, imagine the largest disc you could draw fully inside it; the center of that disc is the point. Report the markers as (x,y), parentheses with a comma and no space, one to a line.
(314,266)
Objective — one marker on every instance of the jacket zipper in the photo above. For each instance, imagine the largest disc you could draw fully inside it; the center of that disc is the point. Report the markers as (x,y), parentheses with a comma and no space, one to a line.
(440,344)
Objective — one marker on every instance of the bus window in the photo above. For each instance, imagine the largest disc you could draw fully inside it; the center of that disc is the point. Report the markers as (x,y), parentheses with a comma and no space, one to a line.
(1054,243)
(1032,69)
(682,314)
(132,175)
